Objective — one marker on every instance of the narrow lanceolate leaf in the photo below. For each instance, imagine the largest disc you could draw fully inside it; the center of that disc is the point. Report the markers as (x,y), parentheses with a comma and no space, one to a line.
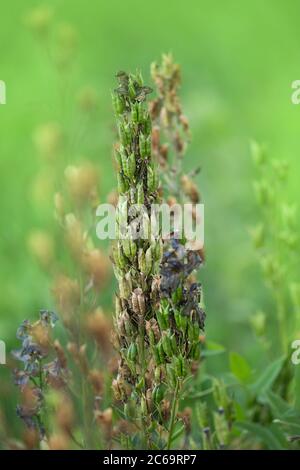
(267,378)
(239,367)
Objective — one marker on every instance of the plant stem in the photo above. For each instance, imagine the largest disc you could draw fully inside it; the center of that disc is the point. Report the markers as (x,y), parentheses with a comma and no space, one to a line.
(173,415)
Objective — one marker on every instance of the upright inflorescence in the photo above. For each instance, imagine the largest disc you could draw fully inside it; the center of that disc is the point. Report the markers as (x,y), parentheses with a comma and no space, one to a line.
(171,132)
(136,254)
(158,314)
(181,316)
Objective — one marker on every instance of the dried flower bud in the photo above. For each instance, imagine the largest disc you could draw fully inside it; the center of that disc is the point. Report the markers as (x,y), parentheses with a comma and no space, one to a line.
(60,354)
(59,206)
(165,407)
(48,139)
(82,183)
(87,99)
(96,378)
(74,235)
(66,292)
(99,326)
(186,417)
(104,418)
(96,265)
(65,413)
(42,247)
(138,302)
(190,189)
(39,20)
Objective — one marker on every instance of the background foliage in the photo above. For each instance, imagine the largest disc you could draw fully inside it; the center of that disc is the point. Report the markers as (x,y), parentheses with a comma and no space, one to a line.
(238,62)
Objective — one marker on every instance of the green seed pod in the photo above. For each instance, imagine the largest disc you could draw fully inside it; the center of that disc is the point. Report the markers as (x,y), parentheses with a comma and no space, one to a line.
(121,258)
(125,290)
(142,261)
(196,350)
(157,374)
(140,385)
(152,179)
(121,216)
(140,194)
(142,145)
(118,305)
(118,158)
(177,317)
(131,166)
(161,352)
(146,226)
(118,104)
(183,323)
(149,261)
(174,344)
(127,411)
(122,134)
(156,355)
(158,250)
(158,394)
(135,113)
(196,332)
(128,132)
(171,374)
(162,320)
(139,78)
(122,184)
(151,338)
(131,88)
(132,352)
(148,146)
(167,345)
(190,331)
(133,248)
(177,295)
(124,161)
(128,326)
(221,427)
(156,246)
(129,280)
(144,410)
(129,248)
(148,124)
(180,366)
(140,112)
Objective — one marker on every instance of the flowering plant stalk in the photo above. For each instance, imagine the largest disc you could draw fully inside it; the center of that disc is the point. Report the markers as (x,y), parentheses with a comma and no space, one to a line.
(276,240)
(158,317)
(171,133)
(170,138)
(135,261)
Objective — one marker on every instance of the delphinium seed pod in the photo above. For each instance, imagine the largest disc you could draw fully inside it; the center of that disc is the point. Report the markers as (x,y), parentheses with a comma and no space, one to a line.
(180,315)
(180,320)
(171,133)
(136,258)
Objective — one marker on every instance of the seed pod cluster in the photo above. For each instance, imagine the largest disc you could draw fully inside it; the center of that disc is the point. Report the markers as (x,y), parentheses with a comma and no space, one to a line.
(180,317)
(136,258)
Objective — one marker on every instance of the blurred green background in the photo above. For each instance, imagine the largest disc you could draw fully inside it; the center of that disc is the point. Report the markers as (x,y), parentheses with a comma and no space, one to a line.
(238,61)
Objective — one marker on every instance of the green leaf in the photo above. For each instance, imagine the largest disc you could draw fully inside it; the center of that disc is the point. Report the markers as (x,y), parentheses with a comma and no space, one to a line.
(178,433)
(280,408)
(265,435)
(212,349)
(239,367)
(267,378)
(297,387)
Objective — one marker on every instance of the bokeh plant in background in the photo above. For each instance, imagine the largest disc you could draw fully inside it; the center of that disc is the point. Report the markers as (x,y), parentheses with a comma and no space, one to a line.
(59,61)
